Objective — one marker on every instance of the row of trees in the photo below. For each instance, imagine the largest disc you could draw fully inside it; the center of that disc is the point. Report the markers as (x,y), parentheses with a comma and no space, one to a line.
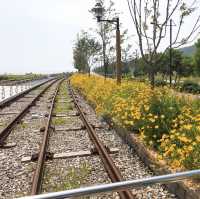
(151,22)
(182,65)
(151,18)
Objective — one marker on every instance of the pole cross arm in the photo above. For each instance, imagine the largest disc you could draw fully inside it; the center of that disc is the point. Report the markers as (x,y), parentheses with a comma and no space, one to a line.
(108,20)
(115,20)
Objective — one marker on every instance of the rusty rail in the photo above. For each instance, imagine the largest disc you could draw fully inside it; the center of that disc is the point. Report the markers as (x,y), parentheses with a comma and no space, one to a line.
(11,125)
(108,162)
(37,178)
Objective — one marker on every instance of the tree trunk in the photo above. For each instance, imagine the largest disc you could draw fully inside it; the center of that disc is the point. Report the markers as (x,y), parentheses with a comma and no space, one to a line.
(163,76)
(118,55)
(152,76)
(175,80)
(104,59)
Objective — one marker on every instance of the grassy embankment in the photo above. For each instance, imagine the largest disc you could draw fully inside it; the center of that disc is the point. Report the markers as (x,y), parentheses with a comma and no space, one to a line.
(20,77)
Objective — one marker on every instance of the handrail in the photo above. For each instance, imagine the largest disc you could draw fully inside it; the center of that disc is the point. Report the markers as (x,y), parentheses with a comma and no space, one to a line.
(169,178)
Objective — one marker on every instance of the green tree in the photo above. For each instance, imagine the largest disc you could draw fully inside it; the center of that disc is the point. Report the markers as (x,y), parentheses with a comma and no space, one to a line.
(188,66)
(151,19)
(197,57)
(85,52)
(182,66)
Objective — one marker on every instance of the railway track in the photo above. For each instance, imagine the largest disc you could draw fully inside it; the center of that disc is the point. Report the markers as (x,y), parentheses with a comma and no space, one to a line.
(36,185)
(4,133)
(12,99)
(73,149)
(108,163)
(23,127)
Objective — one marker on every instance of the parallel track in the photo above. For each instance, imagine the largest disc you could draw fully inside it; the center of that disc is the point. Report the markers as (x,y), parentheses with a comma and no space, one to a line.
(12,99)
(11,125)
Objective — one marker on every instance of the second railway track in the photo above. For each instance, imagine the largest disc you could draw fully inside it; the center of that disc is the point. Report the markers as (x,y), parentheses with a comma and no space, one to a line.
(22,105)
(24,138)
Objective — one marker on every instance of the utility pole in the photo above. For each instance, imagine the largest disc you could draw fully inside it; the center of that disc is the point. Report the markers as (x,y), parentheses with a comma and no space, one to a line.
(170,50)
(104,60)
(118,53)
(170,55)
(135,61)
(99,11)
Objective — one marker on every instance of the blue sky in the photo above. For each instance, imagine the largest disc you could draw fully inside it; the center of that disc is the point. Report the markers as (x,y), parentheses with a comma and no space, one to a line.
(38,35)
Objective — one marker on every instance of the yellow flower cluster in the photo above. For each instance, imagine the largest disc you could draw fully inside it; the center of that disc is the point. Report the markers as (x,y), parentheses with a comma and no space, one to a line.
(165,122)
(95,88)
(181,147)
(122,102)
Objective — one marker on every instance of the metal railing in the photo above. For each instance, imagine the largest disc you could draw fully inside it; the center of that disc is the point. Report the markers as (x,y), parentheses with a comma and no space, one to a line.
(163,179)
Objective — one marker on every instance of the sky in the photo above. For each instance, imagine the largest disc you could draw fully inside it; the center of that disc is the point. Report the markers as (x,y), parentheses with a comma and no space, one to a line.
(38,35)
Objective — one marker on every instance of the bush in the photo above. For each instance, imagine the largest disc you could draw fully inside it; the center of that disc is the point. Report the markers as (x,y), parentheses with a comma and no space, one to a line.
(162,120)
(3,77)
(181,146)
(190,87)
(160,82)
(157,118)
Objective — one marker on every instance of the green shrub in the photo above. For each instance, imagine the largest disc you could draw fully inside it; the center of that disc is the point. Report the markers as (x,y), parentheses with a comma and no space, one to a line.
(192,161)
(160,82)
(158,119)
(190,87)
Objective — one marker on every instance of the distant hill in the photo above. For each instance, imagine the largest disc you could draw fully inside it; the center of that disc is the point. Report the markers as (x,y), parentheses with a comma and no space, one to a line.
(189,50)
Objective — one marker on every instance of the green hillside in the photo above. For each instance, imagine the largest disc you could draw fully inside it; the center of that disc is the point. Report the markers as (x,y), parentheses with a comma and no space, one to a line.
(189,50)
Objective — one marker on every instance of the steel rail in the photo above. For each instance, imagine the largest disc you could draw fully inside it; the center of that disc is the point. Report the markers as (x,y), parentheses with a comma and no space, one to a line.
(85,191)
(13,98)
(37,178)
(11,125)
(108,162)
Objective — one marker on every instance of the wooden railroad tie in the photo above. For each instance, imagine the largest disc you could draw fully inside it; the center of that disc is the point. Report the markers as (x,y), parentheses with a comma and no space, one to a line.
(22,101)
(51,156)
(64,101)
(30,96)
(70,114)
(9,113)
(77,128)
(7,145)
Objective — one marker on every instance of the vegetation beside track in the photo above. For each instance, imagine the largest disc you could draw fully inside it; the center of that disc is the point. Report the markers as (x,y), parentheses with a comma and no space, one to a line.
(28,77)
(167,123)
